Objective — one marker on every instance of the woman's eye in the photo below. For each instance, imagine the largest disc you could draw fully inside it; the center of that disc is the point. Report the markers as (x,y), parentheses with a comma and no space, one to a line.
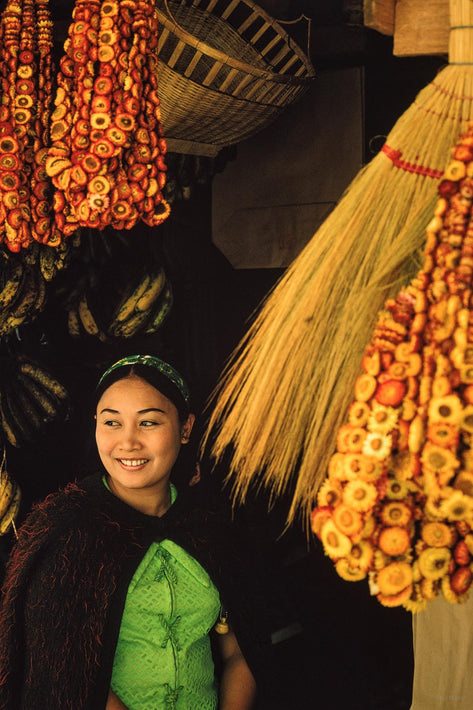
(148,422)
(111,422)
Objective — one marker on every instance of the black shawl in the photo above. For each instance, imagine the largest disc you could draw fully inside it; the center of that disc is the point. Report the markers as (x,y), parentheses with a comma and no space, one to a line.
(66,584)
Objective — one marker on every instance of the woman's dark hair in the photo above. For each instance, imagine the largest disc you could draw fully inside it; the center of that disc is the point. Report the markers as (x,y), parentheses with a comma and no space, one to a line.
(153,377)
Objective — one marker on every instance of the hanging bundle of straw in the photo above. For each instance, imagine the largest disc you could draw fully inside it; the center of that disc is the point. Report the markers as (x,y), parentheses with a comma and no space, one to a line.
(287,387)
(398,501)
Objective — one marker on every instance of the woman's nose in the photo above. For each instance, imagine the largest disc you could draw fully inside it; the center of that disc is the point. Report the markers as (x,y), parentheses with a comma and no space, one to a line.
(129,439)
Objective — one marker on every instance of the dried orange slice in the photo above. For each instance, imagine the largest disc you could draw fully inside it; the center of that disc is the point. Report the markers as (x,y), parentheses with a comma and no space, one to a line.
(78,175)
(55,164)
(100,184)
(100,120)
(22,115)
(103,85)
(104,148)
(121,209)
(81,141)
(137,172)
(63,180)
(105,53)
(109,8)
(107,36)
(116,135)
(82,126)
(41,190)
(132,105)
(24,71)
(106,23)
(9,161)
(11,199)
(123,190)
(83,210)
(9,181)
(91,163)
(24,86)
(59,112)
(101,104)
(59,129)
(15,218)
(9,144)
(125,121)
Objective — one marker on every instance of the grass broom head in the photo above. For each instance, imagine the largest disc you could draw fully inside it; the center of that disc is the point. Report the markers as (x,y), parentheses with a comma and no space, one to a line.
(398,501)
(287,387)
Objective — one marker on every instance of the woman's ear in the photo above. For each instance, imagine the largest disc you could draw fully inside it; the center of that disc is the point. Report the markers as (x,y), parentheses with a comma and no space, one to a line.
(187,428)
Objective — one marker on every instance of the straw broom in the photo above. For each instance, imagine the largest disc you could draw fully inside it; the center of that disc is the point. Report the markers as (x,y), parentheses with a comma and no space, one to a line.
(287,386)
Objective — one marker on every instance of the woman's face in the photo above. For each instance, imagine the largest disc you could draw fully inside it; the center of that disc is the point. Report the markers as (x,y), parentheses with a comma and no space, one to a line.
(138,435)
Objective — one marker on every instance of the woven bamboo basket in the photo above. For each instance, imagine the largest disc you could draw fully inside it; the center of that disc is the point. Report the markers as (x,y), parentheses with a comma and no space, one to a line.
(227,69)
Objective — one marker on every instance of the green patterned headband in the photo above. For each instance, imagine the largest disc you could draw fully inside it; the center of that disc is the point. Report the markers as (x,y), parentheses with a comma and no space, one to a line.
(150,361)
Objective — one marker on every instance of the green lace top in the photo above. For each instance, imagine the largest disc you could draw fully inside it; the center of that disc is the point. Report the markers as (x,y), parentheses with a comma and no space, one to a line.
(163,659)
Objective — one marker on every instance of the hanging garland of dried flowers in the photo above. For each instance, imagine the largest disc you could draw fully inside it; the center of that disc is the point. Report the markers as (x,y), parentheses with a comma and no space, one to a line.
(107,154)
(397,505)
(25,85)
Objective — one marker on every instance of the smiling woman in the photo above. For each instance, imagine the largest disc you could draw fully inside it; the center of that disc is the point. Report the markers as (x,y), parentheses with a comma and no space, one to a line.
(117,583)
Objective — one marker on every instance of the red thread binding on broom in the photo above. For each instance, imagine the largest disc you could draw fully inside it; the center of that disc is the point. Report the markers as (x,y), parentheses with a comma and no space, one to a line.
(395,156)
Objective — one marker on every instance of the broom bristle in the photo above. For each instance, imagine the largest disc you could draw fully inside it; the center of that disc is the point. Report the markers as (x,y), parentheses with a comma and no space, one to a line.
(288,385)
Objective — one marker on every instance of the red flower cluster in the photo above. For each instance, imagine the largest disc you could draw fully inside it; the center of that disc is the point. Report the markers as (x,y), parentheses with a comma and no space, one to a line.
(25,83)
(106,159)
(397,505)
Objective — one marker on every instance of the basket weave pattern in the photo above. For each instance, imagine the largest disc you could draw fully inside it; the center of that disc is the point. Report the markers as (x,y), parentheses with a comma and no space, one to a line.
(226,70)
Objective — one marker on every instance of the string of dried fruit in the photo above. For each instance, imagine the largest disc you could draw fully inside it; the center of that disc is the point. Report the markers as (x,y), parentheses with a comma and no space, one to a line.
(107,154)
(398,501)
(26,70)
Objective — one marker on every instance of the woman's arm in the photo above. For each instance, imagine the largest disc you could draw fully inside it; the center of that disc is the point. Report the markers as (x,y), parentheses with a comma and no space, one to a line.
(114,702)
(237,686)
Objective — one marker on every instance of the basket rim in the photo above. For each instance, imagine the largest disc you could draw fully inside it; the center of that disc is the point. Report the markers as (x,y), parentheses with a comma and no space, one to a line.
(238,64)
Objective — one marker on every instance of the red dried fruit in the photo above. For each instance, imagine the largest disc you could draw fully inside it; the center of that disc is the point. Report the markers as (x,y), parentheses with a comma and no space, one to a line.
(391,393)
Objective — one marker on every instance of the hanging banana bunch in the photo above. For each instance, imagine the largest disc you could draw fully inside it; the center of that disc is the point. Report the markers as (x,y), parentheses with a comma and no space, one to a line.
(397,505)
(10,499)
(106,159)
(22,294)
(25,86)
(142,309)
(30,399)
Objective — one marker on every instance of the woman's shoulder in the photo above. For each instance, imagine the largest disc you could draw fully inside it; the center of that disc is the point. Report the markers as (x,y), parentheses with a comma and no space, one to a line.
(60,509)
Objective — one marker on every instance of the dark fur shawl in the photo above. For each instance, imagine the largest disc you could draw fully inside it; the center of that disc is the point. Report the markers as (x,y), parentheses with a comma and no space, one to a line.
(66,583)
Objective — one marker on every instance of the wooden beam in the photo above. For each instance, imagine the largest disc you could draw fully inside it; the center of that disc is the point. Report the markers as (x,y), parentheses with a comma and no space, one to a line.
(421,27)
(379,15)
